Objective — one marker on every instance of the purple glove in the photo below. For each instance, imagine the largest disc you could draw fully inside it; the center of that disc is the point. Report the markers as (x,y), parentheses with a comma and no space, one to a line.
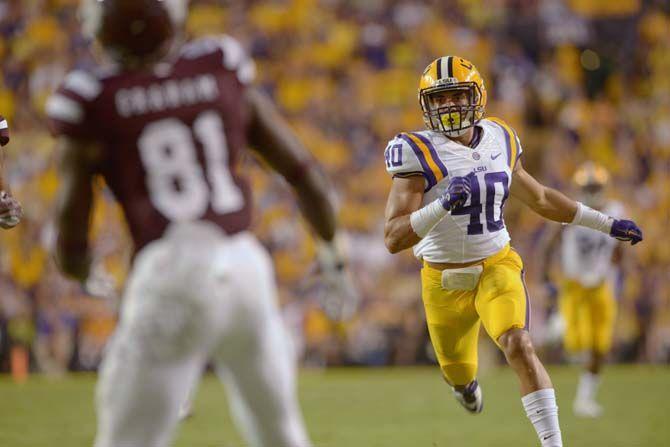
(626,230)
(456,194)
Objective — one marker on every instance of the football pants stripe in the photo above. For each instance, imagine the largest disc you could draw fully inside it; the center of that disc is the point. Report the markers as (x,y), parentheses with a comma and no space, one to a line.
(525,291)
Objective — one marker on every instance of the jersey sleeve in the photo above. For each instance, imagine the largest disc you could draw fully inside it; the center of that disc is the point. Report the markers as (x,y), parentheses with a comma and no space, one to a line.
(4,131)
(228,54)
(512,141)
(70,108)
(402,160)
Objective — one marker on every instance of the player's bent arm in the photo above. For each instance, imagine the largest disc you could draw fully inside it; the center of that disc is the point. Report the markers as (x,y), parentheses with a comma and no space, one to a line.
(545,201)
(272,138)
(405,198)
(73,206)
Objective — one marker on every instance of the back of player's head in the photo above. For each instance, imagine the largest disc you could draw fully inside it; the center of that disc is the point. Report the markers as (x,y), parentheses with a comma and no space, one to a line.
(133,32)
(456,77)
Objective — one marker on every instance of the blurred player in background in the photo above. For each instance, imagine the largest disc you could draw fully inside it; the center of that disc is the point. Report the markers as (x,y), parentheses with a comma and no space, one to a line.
(586,299)
(10,209)
(165,123)
(450,184)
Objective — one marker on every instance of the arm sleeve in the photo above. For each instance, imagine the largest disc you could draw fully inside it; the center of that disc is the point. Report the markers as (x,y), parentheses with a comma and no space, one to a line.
(402,161)
(70,108)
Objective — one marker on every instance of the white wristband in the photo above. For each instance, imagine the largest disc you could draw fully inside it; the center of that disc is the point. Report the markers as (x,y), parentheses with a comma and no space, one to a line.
(424,219)
(588,217)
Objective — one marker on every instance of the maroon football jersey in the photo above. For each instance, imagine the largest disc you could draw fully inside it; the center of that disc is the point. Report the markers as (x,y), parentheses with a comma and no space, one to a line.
(171,136)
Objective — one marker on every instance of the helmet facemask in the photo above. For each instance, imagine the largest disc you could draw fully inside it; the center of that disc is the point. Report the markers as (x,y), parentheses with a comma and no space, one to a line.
(452,120)
(593,195)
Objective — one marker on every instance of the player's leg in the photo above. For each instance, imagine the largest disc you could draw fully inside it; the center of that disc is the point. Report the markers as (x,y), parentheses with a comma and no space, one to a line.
(138,399)
(256,361)
(503,305)
(186,407)
(601,314)
(570,302)
(453,326)
(154,356)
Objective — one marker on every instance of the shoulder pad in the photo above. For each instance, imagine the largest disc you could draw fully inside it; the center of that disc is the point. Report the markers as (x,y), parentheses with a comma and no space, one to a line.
(234,58)
(411,154)
(512,142)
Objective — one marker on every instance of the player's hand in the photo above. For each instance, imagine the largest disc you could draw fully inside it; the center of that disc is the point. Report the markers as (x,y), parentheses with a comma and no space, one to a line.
(340,298)
(457,193)
(10,211)
(626,230)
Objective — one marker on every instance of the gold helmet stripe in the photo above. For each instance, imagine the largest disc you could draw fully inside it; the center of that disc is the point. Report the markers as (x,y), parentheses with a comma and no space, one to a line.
(511,141)
(450,66)
(434,163)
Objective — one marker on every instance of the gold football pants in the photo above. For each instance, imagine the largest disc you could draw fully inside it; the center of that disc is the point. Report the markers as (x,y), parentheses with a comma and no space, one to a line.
(589,314)
(500,302)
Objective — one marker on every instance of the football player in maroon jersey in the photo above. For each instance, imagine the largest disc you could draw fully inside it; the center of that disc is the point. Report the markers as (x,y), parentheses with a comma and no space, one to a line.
(10,209)
(164,123)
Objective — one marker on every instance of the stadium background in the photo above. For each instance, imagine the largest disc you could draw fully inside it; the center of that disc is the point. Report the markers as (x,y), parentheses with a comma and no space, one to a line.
(577,79)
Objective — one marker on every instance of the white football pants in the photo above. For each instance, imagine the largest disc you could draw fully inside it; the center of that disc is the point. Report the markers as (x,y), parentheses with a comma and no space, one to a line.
(194,295)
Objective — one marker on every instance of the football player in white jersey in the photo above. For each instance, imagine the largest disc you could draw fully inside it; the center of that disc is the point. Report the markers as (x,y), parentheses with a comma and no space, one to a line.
(450,184)
(10,209)
(586,299)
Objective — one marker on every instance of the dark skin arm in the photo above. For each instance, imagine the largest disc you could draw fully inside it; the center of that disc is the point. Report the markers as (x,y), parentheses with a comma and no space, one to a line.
(74,204)
(272,138)
(405,197)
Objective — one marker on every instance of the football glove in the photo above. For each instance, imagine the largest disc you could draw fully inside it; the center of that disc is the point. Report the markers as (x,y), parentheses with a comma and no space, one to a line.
(626,230)
(10,210)
(339,298)
(457,193)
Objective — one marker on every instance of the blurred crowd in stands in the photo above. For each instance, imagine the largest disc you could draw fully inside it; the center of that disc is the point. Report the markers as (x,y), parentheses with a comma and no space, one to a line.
(578,80)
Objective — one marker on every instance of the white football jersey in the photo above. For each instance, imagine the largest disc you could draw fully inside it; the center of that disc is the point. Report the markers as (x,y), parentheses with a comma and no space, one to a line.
(586,254)
(476,230)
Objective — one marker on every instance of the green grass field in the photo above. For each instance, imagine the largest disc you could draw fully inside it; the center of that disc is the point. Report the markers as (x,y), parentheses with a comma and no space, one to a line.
(405,407)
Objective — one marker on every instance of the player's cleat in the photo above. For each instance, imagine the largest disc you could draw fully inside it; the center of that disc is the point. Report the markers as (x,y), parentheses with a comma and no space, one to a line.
(587,408)
(471,397)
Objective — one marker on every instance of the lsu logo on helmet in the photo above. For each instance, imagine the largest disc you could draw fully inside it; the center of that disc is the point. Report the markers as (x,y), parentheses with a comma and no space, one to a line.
(446,75)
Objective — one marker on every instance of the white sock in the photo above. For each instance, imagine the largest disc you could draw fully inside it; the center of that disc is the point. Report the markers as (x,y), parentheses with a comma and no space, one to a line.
(588,386)
(542,411)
